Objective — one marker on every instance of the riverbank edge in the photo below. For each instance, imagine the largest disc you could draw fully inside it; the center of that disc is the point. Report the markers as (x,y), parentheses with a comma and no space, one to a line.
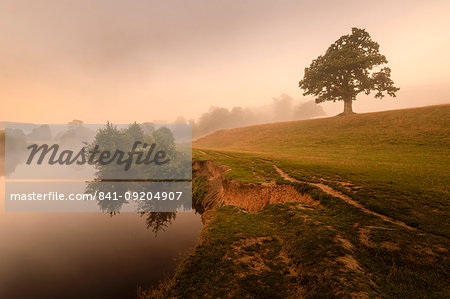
(355,256)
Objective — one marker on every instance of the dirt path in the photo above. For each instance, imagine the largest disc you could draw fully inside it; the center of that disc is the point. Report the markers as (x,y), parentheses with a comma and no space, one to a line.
(209,155)
(203,153)
(327,189)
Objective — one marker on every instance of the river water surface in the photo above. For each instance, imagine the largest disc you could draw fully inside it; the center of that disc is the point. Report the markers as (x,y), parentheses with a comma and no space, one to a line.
(88,255)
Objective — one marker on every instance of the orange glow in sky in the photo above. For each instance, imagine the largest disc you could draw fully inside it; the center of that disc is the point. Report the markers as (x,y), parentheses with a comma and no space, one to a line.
(133,60)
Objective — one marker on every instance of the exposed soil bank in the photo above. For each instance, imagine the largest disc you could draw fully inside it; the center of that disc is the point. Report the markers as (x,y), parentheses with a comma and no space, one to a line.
(297,241)
(247,196)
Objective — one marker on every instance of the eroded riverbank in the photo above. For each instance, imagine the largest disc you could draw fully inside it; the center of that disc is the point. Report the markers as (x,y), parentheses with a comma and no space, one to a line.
(301,242)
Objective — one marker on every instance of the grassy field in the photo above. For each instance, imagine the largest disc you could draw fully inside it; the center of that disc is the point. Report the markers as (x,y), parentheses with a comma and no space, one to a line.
(399,159)
(393,163)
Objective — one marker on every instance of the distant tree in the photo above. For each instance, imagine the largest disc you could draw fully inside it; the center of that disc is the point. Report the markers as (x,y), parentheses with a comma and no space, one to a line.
(283,107)
(41,133)
(348,68)
(180,120)
(307,110)
(76,122)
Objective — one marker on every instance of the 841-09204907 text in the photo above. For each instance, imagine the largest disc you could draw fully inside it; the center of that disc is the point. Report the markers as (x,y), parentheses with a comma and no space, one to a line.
(99,195)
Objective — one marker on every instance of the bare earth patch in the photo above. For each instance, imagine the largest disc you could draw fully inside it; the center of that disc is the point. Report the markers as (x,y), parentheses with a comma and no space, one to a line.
(327,189)
(248,196)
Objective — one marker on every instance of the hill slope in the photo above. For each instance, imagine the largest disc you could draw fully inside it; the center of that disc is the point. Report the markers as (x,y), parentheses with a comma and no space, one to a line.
(398,159)
(418,126)
(353,206)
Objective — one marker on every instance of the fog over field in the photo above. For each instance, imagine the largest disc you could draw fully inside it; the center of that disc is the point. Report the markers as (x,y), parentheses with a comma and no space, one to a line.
(151,60)
(318,164)
(283,108)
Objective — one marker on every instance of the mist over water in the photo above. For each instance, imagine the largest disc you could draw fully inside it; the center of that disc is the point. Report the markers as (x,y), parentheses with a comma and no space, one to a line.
(89,255)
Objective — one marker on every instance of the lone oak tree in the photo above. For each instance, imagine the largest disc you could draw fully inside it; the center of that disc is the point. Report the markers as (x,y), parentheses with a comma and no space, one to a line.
(350,65)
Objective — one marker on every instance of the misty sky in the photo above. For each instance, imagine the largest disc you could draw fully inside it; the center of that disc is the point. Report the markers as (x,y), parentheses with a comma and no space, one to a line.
(132,60)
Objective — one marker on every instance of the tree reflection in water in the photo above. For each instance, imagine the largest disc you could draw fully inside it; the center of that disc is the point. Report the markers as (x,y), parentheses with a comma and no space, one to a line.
(154,221)
(111,179)
(158,221)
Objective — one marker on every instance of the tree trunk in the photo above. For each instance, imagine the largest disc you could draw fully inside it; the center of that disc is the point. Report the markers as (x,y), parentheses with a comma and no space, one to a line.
(348,106)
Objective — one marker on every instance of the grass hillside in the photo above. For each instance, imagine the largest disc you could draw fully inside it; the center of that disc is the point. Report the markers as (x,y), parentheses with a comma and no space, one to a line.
(397,160)
(427,126)
(352,207)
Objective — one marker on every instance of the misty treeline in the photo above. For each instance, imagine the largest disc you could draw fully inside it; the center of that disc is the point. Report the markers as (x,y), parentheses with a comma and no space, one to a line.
(283,108)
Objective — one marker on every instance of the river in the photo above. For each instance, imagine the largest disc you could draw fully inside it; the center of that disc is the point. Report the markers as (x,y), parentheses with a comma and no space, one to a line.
(88,255)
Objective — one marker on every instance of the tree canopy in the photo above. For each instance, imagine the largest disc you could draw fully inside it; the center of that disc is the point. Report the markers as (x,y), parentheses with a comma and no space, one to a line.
(351,65)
